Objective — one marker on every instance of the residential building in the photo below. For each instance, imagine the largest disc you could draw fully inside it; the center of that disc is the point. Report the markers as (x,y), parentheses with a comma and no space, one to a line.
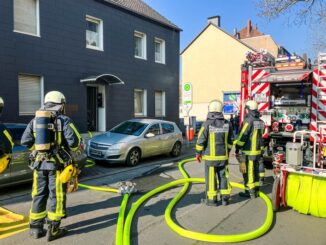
(258,40)
(113,59)
(211,63)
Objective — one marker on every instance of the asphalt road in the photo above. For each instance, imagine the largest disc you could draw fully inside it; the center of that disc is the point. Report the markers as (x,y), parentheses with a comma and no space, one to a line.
(93,215)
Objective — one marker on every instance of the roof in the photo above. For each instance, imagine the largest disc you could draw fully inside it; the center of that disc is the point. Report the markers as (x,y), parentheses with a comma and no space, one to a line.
(141,8)
(102,79)
(285,76)
(238,40)
(249,31)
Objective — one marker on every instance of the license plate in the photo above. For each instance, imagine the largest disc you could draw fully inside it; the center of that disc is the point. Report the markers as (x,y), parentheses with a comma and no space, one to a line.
(96,153)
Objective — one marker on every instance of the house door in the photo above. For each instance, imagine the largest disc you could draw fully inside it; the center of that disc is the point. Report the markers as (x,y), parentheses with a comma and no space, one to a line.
(92,109)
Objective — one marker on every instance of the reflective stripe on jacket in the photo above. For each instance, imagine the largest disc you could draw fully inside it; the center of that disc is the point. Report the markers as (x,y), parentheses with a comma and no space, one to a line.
(6,142)
(250,138)
(215,138)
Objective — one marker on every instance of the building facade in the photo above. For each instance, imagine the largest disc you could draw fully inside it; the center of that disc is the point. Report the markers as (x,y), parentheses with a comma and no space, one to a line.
(211,63)
(113,60)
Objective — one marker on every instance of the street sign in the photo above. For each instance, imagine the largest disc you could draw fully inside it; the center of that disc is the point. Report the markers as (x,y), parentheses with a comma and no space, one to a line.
(187,97)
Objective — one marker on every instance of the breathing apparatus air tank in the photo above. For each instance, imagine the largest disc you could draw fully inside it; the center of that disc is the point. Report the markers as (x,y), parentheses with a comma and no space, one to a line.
(44,130)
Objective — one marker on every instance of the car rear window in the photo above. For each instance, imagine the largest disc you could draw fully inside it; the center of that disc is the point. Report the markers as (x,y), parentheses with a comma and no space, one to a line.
(130,128)
(16,134)
(167,128)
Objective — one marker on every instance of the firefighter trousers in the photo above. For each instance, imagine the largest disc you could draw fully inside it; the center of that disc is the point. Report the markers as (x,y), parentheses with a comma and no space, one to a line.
(46,184)
(217,178)
(254,172)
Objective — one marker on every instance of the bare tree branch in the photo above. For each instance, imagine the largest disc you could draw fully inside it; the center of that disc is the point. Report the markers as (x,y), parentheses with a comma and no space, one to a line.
(310,12)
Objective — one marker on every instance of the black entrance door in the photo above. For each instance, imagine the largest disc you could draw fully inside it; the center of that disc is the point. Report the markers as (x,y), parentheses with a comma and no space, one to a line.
(92,108)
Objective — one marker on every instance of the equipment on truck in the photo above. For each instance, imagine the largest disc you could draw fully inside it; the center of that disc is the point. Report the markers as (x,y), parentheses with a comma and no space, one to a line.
(291,98)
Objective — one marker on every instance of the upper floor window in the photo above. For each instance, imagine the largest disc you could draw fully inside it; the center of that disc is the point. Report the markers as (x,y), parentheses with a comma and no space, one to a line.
(140,45)
(26,17)
(159,50)
(94,33)
(30,94)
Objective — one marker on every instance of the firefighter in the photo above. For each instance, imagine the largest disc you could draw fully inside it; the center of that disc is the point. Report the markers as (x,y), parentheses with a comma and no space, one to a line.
(250,142)
(213,145)
(47,166)
(6,143)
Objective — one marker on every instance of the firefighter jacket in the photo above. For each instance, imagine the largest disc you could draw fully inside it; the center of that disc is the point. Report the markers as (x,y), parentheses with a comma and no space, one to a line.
(6,143)
(215,138)
(250,138)
(68,139)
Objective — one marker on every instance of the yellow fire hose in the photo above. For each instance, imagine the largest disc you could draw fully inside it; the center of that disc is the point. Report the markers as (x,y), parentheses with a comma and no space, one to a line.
(306,194)
(124,226)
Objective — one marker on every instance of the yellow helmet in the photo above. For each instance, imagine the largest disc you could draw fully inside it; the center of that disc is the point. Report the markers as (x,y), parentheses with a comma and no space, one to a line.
(215,106)
(251,105)
(4,162)
(55,97)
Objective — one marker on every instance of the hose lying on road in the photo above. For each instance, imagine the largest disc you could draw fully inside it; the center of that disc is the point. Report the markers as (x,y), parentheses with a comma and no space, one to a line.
(96,188)
(124,226)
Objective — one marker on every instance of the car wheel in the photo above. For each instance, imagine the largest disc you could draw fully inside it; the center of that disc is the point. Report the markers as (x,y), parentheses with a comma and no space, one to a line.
(133,157)
(176,150)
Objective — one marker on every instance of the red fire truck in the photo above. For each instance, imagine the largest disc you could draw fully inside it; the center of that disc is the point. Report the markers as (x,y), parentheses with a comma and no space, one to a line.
(291,97)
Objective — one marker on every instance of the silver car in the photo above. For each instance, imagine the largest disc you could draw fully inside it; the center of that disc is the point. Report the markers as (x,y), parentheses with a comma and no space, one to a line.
(135,139)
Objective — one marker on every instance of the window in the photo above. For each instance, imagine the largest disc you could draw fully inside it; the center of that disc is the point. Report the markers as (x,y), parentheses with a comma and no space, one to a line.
(94,33)
(140,99)
(159,50)
(160,104)
(30,94)
(26,17)
(167,128)
(154,129)
(140,45)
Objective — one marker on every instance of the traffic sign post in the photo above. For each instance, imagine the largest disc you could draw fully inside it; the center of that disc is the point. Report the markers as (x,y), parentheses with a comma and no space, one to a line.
(187,104)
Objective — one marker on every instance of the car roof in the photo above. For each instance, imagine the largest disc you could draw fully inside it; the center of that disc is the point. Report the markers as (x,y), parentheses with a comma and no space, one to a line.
(15,125)
(148,120)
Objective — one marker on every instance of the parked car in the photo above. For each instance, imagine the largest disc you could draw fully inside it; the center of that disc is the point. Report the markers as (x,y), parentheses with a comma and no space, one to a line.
(18,171)
(135,139)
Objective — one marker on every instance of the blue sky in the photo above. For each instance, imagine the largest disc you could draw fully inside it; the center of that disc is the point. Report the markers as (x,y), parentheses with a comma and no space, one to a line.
(191,16)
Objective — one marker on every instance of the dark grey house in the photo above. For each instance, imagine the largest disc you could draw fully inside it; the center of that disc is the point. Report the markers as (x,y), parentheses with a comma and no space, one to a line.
(113,59)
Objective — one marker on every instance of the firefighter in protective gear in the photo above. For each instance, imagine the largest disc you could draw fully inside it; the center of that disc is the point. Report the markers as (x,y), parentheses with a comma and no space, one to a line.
(250,142)
(47,167)
(214,144)
(6,143)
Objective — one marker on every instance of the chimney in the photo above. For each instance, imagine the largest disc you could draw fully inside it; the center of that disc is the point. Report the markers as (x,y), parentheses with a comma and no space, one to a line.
(248,28)
(215,20)
(235,31)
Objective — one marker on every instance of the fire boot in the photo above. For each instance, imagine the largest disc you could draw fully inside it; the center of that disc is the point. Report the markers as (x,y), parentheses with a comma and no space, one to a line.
(225,200)
(55,231)
(248,194)
(36,231)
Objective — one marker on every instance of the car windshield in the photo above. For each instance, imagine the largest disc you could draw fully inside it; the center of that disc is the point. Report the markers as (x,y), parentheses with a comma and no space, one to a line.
(130,128)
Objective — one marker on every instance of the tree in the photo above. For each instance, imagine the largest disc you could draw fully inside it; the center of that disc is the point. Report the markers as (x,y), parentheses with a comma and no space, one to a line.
(310,12)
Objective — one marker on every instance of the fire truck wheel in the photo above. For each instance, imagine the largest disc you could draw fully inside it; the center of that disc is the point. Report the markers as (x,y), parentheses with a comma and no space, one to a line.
(276,199)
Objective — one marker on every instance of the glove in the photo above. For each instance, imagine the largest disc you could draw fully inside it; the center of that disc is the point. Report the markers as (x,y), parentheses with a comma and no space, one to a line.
(199,158)
(243,168)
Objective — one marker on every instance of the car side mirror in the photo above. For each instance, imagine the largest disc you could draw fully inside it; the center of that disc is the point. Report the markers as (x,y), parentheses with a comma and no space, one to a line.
(149,135)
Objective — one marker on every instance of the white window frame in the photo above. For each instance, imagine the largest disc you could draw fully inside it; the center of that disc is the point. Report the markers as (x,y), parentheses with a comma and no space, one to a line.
(42,93)
(144,113)
(162,42)
(144,44)
(163,104)
(38,26)
(101,34)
